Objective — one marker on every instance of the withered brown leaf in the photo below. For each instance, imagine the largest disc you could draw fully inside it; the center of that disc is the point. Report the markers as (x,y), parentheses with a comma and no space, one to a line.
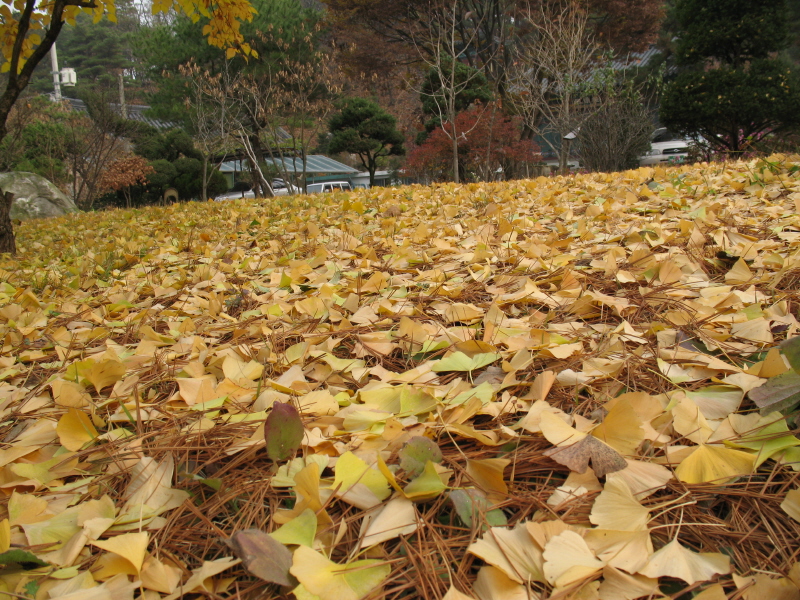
(577,456)
(263,556)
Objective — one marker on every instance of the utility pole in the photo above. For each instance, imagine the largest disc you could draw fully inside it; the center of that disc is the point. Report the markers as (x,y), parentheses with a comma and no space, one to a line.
(123,108)
(56,74)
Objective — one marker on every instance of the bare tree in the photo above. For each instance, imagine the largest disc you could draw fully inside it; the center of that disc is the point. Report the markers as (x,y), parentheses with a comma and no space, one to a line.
(619,128)
(214,117)
(284,108)
(95,140)
(448,39)
(550,81)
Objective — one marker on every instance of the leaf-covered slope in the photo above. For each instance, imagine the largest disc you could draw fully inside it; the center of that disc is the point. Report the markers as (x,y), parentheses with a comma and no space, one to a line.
(579,350)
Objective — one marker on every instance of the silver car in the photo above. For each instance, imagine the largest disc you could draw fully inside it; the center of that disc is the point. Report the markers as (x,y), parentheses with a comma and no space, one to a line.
(666,148)
(328,186)
(279,188)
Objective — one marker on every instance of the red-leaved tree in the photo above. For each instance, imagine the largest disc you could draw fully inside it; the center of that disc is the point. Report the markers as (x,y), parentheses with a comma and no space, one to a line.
(125,172)
(490,148)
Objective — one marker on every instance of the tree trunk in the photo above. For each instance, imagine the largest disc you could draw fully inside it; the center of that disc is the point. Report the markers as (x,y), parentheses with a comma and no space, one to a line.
(204,197)
(7,241)
(372,167)
(455,152)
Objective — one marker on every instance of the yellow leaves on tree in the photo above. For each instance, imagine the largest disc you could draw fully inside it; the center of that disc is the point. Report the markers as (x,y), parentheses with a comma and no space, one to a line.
(26,23)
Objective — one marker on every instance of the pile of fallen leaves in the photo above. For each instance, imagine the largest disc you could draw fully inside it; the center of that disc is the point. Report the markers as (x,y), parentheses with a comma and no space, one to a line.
(576,387)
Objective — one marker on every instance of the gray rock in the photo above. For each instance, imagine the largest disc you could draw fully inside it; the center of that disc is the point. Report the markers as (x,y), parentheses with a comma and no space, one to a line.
(34,196)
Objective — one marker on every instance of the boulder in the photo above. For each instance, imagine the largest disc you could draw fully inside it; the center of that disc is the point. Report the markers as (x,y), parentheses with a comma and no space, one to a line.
(34,196)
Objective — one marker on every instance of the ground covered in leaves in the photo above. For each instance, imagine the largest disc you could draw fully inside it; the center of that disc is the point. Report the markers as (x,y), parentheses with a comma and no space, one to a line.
(555,388)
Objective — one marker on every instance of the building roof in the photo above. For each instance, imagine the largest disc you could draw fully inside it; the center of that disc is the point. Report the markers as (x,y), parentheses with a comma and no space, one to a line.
(233,166)
(315,163)
(636,59)
(136,112)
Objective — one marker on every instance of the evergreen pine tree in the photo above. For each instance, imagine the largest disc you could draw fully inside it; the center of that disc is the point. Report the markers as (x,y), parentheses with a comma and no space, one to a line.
(732,90)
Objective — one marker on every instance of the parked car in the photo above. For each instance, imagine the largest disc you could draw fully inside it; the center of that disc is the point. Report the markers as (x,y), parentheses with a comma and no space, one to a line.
(235,196)
(328,186)
(666,147)
(279,188)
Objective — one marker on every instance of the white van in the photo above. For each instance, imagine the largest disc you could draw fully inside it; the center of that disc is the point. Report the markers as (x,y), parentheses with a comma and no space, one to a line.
(328,186)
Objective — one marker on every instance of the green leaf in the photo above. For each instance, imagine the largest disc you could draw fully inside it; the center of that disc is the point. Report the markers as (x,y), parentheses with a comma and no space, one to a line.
(300,531)
(458,361)
(483,392)
(31,588)
(283,431)
(427,486)
(791,350)
(780,393)
(21,557)
(768,439)
(402,400)
(416,453)
(471,503)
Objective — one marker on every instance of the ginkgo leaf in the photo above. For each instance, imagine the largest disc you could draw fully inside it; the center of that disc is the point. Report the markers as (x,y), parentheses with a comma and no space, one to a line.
(70,394)
(458,361)
(202,576)
(791,504)
(567,559)
(427,486)
(768,436)
(557,431)
(487,474)
(717,401)
(493,584)
(105,373)
(5,535)
(454,594)
(331,581)
(690,422)
(576,485)
(712,592)
(763,586)
(513,551)
(709,463)
(675,560)
(299,531)
(235,368)
(397,517)
(740,273)
(462,312)
(643,478)
(130,546)
(621,428)
(160,576)
(150,492)
(616,508)
(618,585)
(532,421)
(144,350)
(351,471)
(75,429)
(626,550)
(399,400)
